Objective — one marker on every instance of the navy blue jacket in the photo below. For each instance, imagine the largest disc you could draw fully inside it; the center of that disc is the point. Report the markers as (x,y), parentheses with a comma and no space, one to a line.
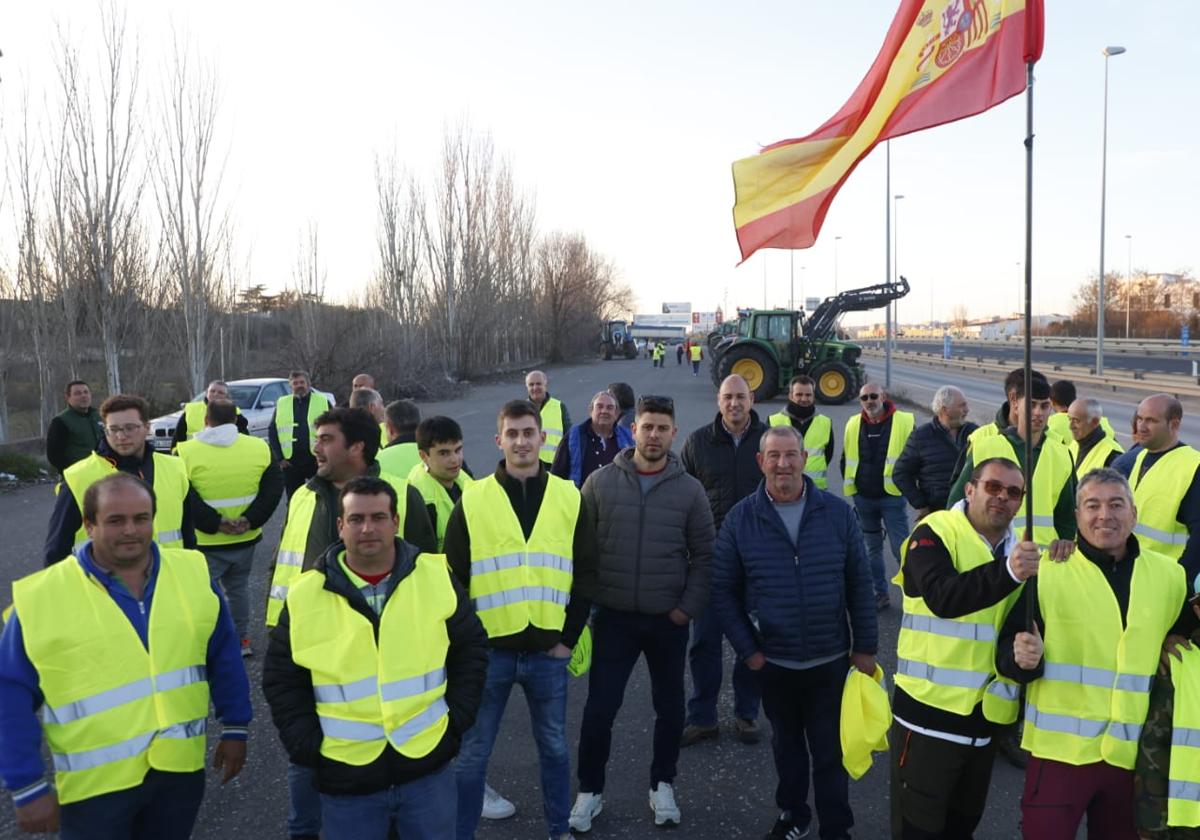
(812,600)
(924,472)
(574,459)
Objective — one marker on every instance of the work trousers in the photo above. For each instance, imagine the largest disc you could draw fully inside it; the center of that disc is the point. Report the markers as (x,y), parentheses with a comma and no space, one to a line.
(424,807)
(1057,795)
(163,805)
(938,788)
(230,566)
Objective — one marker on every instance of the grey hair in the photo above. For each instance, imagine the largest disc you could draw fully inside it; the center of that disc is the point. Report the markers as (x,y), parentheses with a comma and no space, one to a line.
(598,395)
(1093,408)
(943,396)
(363,397)
(1104,475)
(774,431)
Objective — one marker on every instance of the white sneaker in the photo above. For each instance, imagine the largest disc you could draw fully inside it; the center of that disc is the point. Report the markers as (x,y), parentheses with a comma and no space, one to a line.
(495,806)
(662,803)
(587,807)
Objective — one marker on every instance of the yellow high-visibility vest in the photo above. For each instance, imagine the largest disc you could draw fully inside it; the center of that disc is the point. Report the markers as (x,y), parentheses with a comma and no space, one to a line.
(399,459)
(293,544)
(435,494)
(949,663)
(170,490)
(196,413)
(285,422)
(1183,786)
(226,478)
(552,425)
(815,441)
(1054,469)
(515,583)
(1059,424)
(1096,456)
(113,709)
(372,693)
(982,433)
(902,426)
(695,352)
(1091,701)
(1157,496)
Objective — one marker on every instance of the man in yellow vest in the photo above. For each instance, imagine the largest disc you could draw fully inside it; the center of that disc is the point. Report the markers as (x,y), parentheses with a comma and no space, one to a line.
(1090,446)
(192,416)
(376,717)
(115,654)
(1058,424)
(1053,500)
(401,452)
(347,441)
(441,475)
(1006,415)
(292,433)
(555,419)
(1165,485)
(369,400)
(124,449)
(872,442)
(521,543)
(696,355)
(239,487)
(816,429)
(1085,637)
(960,570)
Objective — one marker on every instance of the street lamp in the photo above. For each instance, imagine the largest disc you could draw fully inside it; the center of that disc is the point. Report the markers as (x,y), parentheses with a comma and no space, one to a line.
(836,240)
(1108,53)
(1128,278)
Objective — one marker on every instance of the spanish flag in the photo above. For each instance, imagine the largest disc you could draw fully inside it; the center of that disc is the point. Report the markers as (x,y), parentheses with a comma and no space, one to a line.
(942,60)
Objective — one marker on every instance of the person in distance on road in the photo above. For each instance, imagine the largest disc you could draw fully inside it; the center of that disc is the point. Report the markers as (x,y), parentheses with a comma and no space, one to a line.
(925,470)
(696,354)
(75,431)
(817,429)
(593,443)
(555,419)
(1090,446)
(792,554)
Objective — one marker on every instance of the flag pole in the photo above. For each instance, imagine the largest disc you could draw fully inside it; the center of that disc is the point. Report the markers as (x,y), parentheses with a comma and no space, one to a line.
(1028,535)
(887,247)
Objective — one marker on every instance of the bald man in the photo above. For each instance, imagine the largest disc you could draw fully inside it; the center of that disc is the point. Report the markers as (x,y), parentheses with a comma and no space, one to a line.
(555,417)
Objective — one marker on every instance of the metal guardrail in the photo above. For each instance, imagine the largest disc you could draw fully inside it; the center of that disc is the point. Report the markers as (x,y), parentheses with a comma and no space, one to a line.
(1141,346)
(1180,386)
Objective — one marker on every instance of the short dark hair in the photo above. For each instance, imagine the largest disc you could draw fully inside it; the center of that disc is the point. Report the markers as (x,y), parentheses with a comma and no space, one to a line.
(293,374)
(515,410)
(221,412)
(124,402)
(649,403)
(1015,382)
(72,384)
(624,394)
(800,379)
(977,472)
(369,485)
(437,429)
(1062,392)
(91,496)
(403,415)
(357,426)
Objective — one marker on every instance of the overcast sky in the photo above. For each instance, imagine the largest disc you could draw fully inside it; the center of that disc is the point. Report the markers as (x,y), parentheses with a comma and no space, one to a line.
(622,119)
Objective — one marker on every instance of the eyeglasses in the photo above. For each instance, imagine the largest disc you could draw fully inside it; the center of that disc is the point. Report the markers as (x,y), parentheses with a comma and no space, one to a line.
(127,429)
(869,397)
(997,488)
(656,404)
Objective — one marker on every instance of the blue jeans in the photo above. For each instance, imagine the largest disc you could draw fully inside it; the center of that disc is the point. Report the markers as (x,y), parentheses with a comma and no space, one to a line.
(163,805)
(304,811)
(544,680)
(706,658)
(875,516)
(230,566)
(421,808)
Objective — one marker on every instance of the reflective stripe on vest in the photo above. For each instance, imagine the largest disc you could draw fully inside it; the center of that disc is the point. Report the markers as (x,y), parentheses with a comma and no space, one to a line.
(170,490)
(1092,702)
(113,708)
(286,421)
(226,478)
(514,583)
(1183,789)
(1157,496)
(949,663)
(552,425)
(293,545)
(902,426)
(1051,474)
(372,690)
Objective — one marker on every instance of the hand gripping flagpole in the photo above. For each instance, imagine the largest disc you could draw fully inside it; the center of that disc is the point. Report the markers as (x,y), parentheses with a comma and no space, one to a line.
(1028,467)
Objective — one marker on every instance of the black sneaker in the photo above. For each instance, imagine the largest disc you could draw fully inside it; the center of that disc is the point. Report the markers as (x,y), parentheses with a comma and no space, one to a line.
(786,829)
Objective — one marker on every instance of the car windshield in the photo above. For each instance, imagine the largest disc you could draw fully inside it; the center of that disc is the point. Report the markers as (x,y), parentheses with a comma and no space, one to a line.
(243,396)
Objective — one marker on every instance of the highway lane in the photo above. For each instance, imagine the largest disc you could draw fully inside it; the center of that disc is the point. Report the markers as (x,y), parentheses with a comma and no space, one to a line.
(726,789)
(1050,356)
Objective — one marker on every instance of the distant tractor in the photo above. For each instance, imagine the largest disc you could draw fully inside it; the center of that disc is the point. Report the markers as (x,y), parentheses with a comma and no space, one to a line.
(773,345)
(615,340)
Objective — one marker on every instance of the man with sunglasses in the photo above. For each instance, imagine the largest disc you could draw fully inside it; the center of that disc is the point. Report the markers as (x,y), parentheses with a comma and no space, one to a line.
(872,443)
(960,570)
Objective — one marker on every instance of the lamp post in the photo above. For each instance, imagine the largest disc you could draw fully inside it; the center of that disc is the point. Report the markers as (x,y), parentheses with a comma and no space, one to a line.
(836,240)
(1128,278)
(1109,52)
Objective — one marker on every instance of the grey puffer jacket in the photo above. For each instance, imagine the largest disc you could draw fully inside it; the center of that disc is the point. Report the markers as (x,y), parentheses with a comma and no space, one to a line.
(655,550)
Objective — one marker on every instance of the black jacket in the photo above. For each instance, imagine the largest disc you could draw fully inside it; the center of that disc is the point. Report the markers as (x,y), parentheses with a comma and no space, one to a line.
(924,471)
(289,689)
(728,473)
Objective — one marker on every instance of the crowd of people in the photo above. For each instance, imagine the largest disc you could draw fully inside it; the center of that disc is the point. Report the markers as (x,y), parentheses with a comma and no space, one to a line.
(1056,624)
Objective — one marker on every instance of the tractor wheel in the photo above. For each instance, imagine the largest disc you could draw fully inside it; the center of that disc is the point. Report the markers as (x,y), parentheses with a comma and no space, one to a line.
(755,366)
(630,351)
(606,350)
(835,383)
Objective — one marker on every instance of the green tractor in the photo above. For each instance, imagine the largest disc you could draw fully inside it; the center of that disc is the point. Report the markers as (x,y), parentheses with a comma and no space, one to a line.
(773,345)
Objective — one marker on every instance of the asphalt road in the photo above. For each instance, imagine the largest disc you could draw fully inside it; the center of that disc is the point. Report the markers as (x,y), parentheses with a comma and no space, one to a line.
(1014,352)
(725,789)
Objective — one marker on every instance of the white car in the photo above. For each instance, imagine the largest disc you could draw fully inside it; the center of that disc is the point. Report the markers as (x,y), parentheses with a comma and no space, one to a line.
(255,397)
